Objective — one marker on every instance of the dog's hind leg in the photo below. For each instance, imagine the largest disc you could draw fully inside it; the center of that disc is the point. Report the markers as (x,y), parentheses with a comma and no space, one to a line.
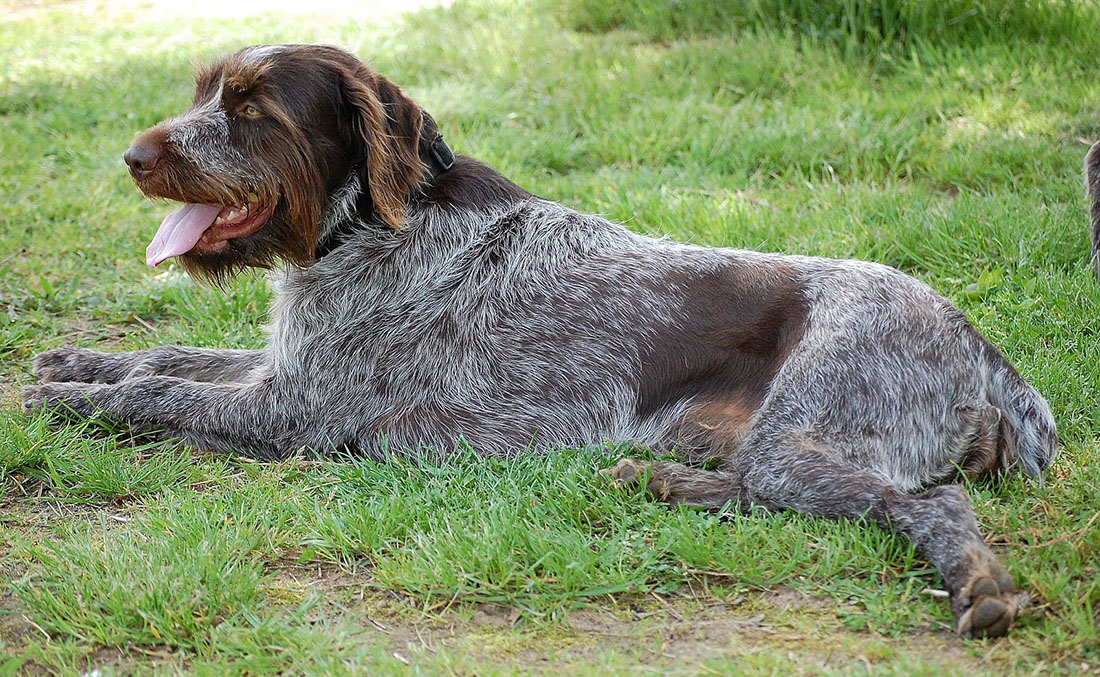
(81,365)
(810,479)
(788,471)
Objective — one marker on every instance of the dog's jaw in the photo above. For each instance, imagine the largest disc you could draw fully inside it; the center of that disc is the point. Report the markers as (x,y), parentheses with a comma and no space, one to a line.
(205,229)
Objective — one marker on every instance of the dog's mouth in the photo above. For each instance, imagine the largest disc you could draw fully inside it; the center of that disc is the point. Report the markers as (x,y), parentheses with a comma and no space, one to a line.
(205,228)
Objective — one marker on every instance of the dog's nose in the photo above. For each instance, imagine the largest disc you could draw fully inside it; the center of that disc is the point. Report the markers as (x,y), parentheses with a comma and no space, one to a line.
(142,158)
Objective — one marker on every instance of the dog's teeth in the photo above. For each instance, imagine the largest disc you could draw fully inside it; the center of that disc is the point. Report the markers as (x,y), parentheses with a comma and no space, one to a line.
(231,215)
(253,198)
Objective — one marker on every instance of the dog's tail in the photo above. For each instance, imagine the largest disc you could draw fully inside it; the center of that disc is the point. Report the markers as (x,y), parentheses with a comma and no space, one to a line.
(1092,185)
(1029,434)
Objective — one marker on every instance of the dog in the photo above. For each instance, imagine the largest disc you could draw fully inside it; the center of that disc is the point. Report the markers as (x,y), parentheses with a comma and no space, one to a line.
(1092,189)
(424,302)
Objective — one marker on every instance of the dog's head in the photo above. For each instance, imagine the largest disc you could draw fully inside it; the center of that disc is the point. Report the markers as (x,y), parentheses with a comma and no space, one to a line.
(273,134)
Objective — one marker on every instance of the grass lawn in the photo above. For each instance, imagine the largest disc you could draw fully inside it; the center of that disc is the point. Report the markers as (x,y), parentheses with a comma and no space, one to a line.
(954,156)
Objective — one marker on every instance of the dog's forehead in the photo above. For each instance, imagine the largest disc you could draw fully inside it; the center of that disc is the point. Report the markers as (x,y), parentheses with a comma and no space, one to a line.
(250,68)
(233,74)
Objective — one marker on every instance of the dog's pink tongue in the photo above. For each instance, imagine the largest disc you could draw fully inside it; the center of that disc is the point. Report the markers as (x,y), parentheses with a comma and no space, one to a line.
(179,231)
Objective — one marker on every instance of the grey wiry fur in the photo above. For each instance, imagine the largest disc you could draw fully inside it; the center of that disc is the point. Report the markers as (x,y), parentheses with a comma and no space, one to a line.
(203,134)
(830,387)
(1092,183)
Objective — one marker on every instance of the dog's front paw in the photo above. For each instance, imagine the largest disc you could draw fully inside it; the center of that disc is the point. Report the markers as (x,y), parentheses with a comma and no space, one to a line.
(74,365)
(66,400)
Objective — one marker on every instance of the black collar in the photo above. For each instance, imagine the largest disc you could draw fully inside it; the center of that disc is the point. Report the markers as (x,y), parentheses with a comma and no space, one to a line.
(440,158)
(437,160)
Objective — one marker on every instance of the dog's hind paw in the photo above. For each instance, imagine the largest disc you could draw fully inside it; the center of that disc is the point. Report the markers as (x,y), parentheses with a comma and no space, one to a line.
(988,602)
(629,472)
(626,471)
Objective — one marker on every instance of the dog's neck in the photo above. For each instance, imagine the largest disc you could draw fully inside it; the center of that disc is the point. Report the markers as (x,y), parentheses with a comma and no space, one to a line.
(341,215)
(440,158)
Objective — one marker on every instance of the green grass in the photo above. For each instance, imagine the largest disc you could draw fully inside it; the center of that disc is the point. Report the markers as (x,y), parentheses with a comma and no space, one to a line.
(948,148)
(856,27)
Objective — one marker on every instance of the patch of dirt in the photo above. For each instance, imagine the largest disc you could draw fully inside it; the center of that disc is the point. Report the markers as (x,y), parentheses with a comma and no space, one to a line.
(32,514)
(686,634)
(660,633)
(24,521)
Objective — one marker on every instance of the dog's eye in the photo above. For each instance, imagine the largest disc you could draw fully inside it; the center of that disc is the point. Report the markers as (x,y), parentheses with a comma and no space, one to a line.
(251,111)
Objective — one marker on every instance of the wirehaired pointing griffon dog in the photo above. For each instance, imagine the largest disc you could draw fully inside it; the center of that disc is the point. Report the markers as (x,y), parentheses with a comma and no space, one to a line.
(1092,185)
(427,301)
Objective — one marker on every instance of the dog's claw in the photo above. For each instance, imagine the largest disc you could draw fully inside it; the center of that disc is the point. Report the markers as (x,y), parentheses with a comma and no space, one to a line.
(32,399)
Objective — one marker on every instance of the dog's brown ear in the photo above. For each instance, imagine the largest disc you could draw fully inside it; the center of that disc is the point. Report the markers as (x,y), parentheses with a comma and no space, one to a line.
(388,124)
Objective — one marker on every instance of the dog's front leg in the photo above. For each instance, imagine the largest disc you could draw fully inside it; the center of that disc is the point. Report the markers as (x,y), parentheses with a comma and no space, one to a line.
(229,418)
(81,365)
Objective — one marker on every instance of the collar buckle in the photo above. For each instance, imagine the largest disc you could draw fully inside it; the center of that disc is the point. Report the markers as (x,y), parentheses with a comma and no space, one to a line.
(441,153)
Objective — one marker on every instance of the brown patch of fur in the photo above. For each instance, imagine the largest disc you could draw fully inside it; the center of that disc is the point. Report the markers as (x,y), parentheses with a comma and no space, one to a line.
(472,185)
(728,419)
(716,429)
(739,328)
(241,76)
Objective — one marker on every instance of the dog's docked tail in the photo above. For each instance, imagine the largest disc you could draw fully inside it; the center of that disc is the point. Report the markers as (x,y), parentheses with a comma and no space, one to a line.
(1027,424)
(1092,184)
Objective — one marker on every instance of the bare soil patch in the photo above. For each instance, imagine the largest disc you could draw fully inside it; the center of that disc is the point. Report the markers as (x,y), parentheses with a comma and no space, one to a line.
(660,634)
